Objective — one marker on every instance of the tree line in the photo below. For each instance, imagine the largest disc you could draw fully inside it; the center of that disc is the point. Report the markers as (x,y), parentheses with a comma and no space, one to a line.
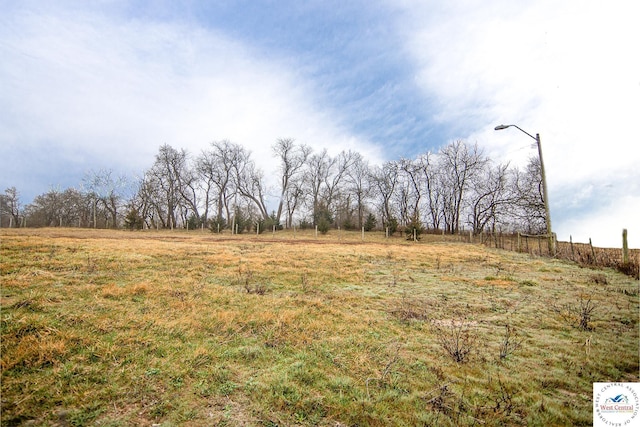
(456,188)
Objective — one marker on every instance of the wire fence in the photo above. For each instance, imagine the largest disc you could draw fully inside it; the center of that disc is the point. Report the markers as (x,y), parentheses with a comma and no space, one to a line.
(581,253)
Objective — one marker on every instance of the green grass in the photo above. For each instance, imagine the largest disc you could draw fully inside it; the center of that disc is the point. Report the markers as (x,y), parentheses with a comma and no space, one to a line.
(115,328)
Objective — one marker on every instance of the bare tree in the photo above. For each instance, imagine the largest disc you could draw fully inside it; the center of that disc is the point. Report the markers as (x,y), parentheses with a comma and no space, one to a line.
(324,176)
(431,190)
(75,209)
(385,180)
(106,190)
(529,210)
(218,165)
(490,196)
(163,184)
(189,186)
(10,207)
(45,209)
(317,171)
(249,182)
(337,173)
(359,184)
(154,207)
(459,164)
(410,190)
(292,159)
(294,197)
(60,208)
(203,167)
(147,202)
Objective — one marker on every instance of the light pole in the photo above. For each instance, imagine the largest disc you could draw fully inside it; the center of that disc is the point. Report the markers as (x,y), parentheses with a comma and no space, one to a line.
(550,238)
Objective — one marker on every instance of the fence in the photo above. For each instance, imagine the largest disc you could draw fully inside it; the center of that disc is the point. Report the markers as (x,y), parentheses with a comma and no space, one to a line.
(582,253)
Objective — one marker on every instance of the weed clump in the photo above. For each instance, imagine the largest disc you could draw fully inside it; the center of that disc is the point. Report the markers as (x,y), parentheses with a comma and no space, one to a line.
(245,279)
(511,342)
(456,338)
(408,309)
(577,314)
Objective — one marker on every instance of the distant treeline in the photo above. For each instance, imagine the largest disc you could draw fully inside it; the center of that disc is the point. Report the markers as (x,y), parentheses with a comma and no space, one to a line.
(220,188)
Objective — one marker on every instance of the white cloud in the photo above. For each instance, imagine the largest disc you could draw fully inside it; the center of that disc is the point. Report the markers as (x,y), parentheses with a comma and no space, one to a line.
(108,92)
(563,69)
(604,226)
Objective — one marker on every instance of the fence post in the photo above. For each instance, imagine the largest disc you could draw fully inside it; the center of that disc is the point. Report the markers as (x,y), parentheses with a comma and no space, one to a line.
(519,242)
(540,247)
(593,253)
(573,256)
(625,247)
(363,234)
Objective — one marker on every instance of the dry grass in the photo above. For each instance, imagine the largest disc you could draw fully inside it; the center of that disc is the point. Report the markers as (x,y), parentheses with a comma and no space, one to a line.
(117,328)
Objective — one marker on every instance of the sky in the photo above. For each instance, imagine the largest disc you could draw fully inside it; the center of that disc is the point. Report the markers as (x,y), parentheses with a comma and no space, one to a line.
(88,86)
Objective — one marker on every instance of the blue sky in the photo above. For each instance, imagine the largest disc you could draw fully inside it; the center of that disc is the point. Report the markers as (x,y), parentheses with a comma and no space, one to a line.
(93,85)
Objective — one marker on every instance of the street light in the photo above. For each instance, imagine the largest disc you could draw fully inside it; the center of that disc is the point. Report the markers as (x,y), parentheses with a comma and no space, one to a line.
(551,240)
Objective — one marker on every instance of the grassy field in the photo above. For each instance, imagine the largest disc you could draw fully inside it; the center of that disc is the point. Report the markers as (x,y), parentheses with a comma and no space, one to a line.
(116,328)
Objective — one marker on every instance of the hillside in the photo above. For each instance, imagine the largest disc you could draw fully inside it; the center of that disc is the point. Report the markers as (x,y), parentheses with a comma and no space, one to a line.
(119,328)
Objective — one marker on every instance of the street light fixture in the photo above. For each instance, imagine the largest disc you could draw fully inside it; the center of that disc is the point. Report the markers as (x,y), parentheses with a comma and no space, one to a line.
(551,240)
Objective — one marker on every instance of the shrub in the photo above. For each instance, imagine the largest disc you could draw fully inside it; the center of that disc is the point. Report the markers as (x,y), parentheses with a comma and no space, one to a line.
(242,222)
(324,225)
(348,224)
(510,342)
(305,225)
(414,228)
(217,224)
(194,222)
(392,225)
(133,220)
(370,223)
(456,338)
(578,315)
(269,223)
(323,219)
(410,309)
